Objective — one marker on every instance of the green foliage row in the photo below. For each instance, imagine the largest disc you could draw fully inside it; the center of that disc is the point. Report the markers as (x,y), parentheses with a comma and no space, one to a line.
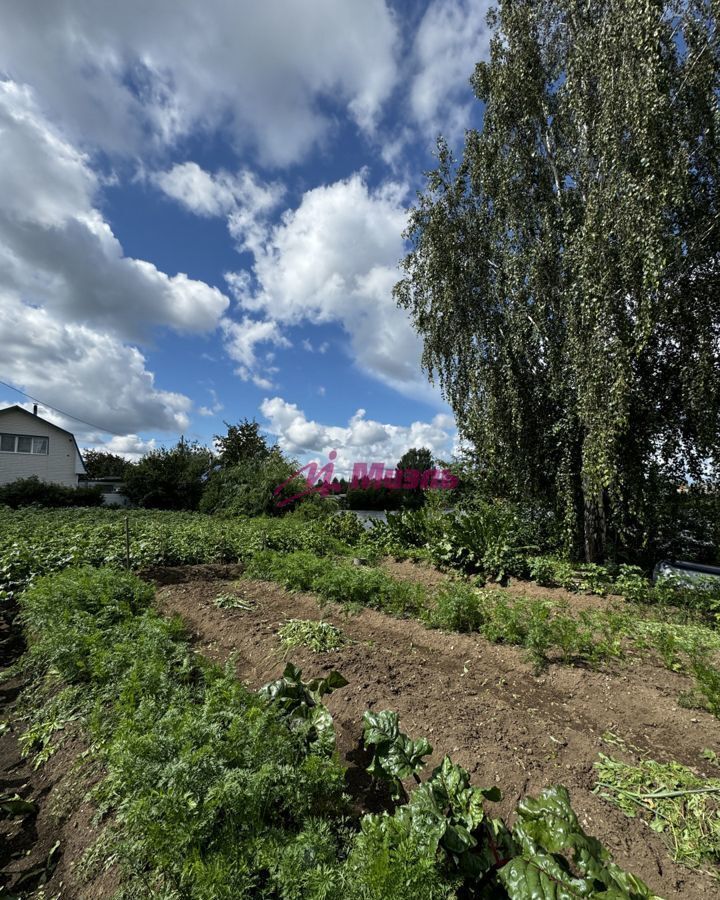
(218,792)
(498,539)
(548,630)
(338,582)
(698,595)
(493,538)
(211,785)
(35,542)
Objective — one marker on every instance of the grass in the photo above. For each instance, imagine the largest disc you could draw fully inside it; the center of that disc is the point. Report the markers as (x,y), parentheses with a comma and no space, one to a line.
(320,637)
(673,800)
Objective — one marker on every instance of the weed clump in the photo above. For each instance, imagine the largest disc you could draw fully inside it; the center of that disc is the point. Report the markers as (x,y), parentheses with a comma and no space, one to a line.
(320,637)
(673,800)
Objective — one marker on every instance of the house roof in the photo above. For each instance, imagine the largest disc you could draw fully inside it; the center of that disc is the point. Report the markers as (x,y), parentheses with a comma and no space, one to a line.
(20,409)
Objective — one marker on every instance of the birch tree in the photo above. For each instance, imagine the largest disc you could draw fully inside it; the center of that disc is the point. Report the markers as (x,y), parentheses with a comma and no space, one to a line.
(564,273)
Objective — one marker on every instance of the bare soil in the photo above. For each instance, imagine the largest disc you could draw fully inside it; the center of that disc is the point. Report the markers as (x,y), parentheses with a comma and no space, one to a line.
(479,702)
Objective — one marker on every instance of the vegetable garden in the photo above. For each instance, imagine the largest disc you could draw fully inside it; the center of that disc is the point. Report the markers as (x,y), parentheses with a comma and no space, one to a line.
(327,778)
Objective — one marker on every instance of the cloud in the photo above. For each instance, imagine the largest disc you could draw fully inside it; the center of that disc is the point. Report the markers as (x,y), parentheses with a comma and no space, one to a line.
(214,408)
(334,260)
(241,339)
(57,251)
(125,74)
(320,348)
(361,440)
(131,446)
(86,372)
(240,196)
(452,36)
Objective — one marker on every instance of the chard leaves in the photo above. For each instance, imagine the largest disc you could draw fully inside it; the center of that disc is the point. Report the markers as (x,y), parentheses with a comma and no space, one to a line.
(395,756)
(549,839)
(301,702)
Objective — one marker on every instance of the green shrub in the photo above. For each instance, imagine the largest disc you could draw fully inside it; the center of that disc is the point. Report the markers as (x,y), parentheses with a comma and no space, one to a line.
(346,527)
(108,595)
(33,491)
(553,572)
(389,859)
(366,586)
(700,595)
(247,488)
(493,538)
(633,585)
(209,782)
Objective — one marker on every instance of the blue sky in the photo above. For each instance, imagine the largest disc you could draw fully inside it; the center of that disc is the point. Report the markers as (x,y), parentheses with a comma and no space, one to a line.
(202,215)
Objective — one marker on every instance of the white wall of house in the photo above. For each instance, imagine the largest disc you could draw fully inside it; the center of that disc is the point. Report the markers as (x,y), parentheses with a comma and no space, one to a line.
(61,464)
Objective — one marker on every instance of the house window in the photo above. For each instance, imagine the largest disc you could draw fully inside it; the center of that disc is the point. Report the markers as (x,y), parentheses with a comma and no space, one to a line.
(23,443)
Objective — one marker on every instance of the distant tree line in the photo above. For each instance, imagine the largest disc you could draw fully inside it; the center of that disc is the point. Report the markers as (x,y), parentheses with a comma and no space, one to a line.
(238,478)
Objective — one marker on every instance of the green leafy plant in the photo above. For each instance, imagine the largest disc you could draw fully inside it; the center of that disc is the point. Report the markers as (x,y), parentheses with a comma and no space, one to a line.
(15,805)
(458,607)
(556,858)
(449,799)
(395,755)
(632,584)
(491,538)
(301,702)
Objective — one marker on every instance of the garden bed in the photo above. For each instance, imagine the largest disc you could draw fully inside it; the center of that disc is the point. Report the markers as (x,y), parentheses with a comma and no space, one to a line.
(477,701)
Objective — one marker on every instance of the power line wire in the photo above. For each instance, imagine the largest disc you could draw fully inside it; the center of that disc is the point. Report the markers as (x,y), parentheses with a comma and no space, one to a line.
(62,412)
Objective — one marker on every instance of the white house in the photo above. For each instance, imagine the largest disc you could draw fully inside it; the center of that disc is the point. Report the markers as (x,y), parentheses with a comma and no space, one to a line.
(30,445)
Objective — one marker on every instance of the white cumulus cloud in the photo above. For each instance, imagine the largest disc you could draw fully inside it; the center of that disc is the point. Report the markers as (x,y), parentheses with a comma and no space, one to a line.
(86,372)
(118,75)
(360,440)
(57,250)
(452,37)
(334,260)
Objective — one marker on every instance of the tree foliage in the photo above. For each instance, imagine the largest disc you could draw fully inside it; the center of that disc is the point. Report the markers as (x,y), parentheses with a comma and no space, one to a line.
(247,488)
(169,478)
(565,274)
(242,443)
(418,458)
(103,464)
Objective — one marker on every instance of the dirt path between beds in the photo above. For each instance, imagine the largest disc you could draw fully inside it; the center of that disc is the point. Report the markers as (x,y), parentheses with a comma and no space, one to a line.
(477,701)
